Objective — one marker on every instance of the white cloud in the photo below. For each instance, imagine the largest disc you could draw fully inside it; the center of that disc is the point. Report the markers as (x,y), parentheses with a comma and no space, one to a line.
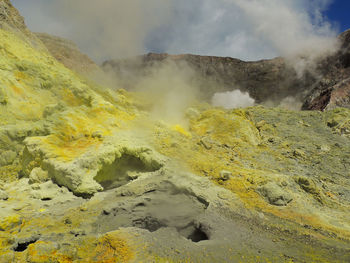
(246,29)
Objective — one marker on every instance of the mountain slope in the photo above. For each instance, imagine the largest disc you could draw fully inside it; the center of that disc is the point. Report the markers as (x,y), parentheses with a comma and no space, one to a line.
(11,20)
(68,54)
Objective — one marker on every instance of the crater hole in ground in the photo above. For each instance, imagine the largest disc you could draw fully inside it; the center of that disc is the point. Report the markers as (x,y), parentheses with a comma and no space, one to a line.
(122,171)
(22,246)
(192,232)
(166,207)
(198,235)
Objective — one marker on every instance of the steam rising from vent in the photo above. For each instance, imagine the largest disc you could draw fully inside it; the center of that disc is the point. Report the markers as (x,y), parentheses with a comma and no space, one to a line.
(244,29)
(232,99)
(172,88)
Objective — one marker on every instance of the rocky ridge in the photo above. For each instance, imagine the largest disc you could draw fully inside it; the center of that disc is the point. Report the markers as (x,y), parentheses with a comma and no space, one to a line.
(265,80)
(333,89)
(326,86)
(68,54)
(11,20)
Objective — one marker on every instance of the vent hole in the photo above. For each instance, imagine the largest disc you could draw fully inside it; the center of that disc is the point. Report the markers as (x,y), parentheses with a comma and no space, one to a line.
(22,246)
(198,235)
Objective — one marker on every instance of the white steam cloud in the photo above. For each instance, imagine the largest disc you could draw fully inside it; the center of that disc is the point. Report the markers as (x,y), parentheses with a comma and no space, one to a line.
(245,29)
(232,99)
(290,26)
(171,89)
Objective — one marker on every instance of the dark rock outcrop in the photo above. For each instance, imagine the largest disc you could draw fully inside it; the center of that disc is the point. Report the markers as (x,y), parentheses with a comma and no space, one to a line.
(333,89)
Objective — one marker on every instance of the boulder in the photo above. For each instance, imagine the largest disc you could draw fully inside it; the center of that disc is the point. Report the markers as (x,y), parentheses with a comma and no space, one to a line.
(275,194)
(38,175)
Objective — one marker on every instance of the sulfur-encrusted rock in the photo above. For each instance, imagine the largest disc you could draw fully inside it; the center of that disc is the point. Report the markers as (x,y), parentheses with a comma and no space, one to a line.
(46,191)
(38,175)
(79,173)
(225,175)
(3,195)
(309,186)
(10,222)
(275,194)
(7,157)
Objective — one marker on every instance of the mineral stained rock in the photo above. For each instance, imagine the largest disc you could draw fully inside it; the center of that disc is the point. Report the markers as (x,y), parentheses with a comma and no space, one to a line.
(88,174)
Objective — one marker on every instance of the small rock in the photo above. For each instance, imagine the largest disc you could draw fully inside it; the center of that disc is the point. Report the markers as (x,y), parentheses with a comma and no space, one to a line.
(83,208)
(206,143)
(106,211)
(224,195)
(67,221)
(19,207)
(260,124)
(298,153)
(133,175)
(309,186)
(10,222)
(7,157)
(78,232)
(284,183)
(271,140)
(3,96)
(35,186)
(304,123)
(251,180)
(325,148)
(225,175)
(3,195)
(38,175)
(261,215)
(97,134)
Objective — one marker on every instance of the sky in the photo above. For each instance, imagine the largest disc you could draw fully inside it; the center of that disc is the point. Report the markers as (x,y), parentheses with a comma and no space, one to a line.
(244,29)
(338,12)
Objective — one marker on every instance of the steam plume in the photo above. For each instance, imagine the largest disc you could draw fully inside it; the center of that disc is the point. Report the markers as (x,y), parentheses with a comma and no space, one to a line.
(232,99)
(245,29)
